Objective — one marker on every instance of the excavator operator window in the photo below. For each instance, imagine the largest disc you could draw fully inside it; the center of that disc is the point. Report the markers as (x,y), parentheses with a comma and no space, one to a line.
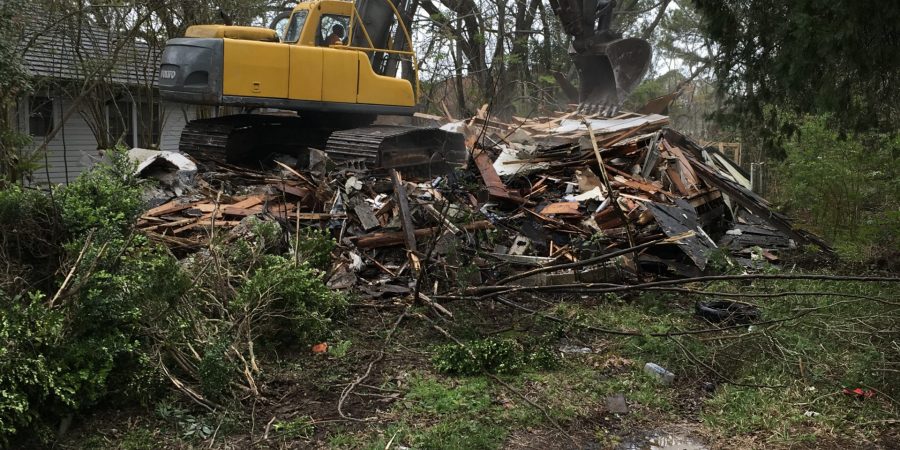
(296,26)
(333,30)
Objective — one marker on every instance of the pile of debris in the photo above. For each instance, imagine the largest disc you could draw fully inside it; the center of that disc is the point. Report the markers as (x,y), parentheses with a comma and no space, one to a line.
(535,192)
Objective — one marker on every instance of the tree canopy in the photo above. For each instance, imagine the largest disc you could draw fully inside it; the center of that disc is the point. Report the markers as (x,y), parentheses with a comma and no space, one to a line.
(836,57)
(12,74)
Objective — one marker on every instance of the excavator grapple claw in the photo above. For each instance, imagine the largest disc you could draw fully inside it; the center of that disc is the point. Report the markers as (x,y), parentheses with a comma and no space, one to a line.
(609,73)
(609,67)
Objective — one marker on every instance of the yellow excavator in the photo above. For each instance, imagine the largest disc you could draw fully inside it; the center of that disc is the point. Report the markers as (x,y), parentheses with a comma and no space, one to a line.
(320,76)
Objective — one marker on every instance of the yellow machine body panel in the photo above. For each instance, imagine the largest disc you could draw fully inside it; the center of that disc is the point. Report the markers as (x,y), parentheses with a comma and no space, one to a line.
(256,69)
(232,32)
(375,89)
(306,73)
(340,75)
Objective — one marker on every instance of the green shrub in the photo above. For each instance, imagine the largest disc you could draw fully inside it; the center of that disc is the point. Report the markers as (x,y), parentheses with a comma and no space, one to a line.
(29,373)
(298,292)
(31,237)
(845,185)
(500,356)
(298,428)
(106,198)
(215,370)
(17,160)
(314,246)
(246,295)
(85,340)
(98,336)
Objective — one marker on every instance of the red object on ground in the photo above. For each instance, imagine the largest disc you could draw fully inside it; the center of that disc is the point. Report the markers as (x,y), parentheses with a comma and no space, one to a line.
(321,347)
(860,393)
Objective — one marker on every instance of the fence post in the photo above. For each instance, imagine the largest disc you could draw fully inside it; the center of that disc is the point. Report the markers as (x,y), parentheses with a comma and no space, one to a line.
(758,177)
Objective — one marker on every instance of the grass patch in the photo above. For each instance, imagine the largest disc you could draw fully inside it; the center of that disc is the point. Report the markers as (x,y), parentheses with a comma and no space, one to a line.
(838,343)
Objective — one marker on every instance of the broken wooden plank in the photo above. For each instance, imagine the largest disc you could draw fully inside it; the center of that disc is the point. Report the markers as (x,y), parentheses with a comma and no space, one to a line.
(492,181)
(295,173)
(563,208)
(313,216)
(243,212)
(208,225)
(366,216)
(405,217)
(249,202)
(743,196)
(636,185)
(690,178)
(174,224)
(293,190)
(389,239)
(428,117)
(168,208)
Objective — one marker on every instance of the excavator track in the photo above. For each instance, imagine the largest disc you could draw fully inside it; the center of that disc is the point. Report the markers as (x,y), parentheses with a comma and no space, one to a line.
(412,150)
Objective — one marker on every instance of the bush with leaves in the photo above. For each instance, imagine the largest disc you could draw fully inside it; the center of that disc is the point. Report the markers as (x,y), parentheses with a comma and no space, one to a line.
(90,310)
(31,238)
(74,331)
(500,356)
(247,292)
(846,185)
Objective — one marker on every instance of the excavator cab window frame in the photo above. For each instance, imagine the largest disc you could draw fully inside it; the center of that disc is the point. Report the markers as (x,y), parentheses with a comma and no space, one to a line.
(324,30)
(298,21)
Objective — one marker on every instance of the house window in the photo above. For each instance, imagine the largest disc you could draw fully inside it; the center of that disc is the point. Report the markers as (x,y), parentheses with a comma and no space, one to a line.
(40,118)
(148,125)
(121,123)
(134,126)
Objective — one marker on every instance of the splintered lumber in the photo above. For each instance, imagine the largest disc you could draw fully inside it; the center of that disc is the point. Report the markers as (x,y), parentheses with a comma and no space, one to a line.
(243,212)
(428,117)
(312,216)
(292,190)
(565,208)
(249,202)
(686,169)
(612,193)
(292,171)
(741,195)
(405,217)
(172,241)
(492,181)
(168,208)
(174,224)
(636,185)
(390,239)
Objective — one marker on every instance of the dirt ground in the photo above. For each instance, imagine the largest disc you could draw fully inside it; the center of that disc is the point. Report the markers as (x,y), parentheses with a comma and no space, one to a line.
(403,402)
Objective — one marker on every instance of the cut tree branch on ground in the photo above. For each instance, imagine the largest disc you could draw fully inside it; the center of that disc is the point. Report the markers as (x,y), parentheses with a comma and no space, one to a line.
(590,261)
(603,288)
(350,387)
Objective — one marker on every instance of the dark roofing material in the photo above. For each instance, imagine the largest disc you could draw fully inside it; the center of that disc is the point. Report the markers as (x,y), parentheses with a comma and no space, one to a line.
(71,47)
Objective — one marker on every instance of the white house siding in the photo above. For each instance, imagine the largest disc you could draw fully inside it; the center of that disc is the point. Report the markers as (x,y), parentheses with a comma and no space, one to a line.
(175,117)
(69,153)
(74,149)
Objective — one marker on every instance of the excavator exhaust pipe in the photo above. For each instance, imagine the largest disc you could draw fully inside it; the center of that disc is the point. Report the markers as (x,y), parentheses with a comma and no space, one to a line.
(609,73)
